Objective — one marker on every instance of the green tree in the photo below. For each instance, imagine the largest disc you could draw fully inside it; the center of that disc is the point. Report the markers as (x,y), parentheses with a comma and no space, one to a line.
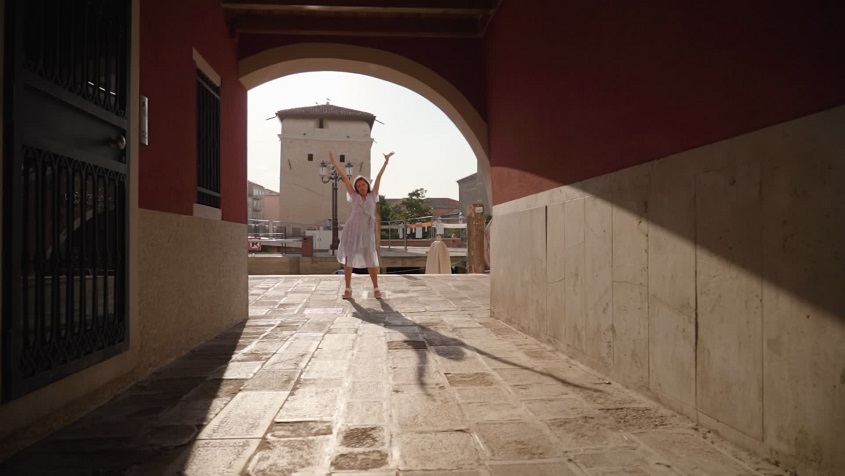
(414,206)
(388,211)
(388,214)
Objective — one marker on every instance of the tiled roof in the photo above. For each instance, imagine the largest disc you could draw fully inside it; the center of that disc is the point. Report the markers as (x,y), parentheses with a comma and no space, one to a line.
(443,203)
(433,202)
(328,111)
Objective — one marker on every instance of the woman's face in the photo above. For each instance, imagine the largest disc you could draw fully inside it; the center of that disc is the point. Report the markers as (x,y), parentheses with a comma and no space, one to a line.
(361,186)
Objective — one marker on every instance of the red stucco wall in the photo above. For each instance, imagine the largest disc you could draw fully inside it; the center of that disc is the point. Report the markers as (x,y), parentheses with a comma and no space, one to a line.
(580,89)
(169,33)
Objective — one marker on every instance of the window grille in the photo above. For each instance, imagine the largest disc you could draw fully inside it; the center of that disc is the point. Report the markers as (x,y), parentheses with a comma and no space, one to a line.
(208,141)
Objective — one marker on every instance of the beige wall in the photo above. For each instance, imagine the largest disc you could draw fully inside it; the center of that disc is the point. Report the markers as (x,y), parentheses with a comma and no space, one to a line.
(710,279)
(184,297)
(303,197)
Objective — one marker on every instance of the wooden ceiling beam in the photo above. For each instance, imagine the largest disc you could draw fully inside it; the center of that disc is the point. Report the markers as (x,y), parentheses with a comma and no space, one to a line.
(364,6)
(364,26)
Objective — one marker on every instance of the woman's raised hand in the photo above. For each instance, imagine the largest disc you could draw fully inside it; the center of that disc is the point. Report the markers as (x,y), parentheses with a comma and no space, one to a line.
(387,156)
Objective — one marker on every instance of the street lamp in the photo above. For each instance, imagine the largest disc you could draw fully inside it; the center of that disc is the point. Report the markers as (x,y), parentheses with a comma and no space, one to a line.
(333,177)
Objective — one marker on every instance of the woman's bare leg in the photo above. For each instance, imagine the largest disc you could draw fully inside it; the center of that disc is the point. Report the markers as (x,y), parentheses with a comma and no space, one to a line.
(347,277)
(374,277)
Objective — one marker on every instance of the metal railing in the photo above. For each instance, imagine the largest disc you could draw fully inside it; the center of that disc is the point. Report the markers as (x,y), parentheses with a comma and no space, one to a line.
(430,227)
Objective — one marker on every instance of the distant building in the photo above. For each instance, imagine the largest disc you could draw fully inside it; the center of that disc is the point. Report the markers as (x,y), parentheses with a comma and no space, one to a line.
(254,201)
(307,136)
(444,207)
(441,207)
(471,190)
(271,206)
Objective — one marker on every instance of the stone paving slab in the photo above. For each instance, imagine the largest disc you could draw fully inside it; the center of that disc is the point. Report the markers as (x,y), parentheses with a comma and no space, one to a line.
(214,457)
(422,383)
(247,416)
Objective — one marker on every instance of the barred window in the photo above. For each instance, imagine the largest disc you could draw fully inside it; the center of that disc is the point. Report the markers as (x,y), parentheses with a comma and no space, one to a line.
(208,141)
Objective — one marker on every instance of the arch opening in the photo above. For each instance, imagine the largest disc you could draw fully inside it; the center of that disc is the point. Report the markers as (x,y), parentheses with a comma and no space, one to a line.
(282,61)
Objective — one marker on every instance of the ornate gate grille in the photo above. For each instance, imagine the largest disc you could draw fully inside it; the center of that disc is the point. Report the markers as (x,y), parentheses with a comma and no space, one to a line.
(65,189)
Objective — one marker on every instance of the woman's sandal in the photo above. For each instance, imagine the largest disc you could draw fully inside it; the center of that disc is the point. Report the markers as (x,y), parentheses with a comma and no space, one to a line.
(347,294)
(376,293)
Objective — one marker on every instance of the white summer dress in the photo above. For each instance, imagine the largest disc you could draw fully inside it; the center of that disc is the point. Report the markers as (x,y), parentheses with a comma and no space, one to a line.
(357,247)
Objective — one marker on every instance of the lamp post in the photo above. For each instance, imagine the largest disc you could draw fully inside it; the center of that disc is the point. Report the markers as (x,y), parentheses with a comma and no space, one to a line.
(333,177)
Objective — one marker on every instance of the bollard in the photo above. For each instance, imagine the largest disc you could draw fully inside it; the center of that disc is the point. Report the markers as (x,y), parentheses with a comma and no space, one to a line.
(307,246)
(475,238)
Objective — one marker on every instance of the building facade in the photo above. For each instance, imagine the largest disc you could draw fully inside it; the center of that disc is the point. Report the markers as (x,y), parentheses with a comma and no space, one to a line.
(471,190)
(271,210)
(255,203)
(307,136)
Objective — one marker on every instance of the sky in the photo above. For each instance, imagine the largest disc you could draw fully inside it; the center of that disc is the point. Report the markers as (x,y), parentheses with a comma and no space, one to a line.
(430,153)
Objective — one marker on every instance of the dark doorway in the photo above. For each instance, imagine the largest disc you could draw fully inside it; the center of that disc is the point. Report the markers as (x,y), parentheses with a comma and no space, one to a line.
(66,119)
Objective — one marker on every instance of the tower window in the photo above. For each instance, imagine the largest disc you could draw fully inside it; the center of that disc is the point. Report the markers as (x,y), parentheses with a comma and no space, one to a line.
(310,157)
(343,157)
(321,124)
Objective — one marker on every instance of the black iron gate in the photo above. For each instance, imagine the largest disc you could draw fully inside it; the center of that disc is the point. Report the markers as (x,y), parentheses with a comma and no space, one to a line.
(65,188)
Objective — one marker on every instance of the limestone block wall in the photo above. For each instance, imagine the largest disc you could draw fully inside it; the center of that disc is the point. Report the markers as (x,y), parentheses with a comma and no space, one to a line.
(711,279)
(285,265)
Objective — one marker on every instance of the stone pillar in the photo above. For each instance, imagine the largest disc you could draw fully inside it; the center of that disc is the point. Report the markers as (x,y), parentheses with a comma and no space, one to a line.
(475,238)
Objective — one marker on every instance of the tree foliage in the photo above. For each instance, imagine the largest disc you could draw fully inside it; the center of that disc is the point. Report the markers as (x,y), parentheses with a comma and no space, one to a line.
(388,211)
(413,206)
(410,208)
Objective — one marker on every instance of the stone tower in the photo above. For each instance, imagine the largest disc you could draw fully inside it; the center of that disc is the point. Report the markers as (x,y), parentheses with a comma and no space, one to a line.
(307,136)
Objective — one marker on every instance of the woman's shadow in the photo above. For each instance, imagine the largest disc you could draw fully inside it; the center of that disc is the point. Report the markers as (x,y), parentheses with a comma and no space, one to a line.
(421,338)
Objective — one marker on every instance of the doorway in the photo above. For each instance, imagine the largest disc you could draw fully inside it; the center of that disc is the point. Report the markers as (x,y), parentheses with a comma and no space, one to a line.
(65,197)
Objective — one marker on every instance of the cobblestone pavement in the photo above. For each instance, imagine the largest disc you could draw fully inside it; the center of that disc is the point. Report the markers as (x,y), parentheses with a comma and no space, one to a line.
(421,383)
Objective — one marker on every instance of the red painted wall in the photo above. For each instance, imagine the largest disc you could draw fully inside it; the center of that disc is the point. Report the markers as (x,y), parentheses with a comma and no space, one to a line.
(580,89)
(168,171)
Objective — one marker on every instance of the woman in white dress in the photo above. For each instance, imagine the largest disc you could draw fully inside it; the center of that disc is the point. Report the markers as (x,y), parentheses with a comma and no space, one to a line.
(357,248)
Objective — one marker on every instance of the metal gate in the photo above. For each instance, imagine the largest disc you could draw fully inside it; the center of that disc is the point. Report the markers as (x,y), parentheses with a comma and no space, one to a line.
(65,188)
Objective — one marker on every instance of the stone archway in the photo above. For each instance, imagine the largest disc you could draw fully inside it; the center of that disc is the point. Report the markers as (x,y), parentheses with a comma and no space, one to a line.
(310,57)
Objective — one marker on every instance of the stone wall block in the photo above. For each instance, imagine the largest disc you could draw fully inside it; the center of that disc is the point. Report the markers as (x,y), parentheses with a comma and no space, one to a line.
(729,295)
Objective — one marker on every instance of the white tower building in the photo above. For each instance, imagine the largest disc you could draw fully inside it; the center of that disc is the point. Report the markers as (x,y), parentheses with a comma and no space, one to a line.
(307,136)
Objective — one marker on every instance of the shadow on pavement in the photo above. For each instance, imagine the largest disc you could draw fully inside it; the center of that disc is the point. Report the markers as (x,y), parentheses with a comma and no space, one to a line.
(437,342)
(149,427)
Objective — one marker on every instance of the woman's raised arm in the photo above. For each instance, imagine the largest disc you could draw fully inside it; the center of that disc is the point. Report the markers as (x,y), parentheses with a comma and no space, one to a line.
(380,172)
(342,175)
